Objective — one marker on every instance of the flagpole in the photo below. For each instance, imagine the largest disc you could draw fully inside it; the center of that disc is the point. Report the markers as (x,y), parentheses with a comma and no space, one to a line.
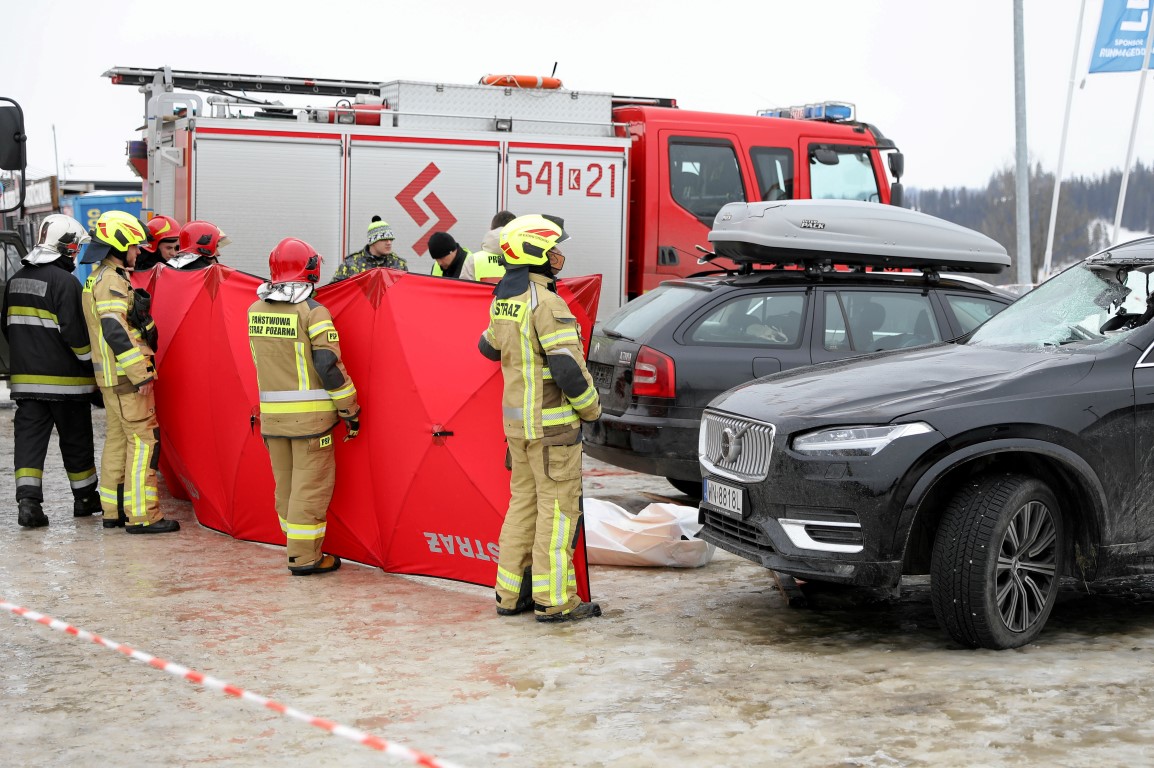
(1133,131)
(1062,148)
(1025,259)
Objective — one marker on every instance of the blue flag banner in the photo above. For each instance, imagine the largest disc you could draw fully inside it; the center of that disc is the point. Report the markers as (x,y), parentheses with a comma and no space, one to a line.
(1121,42)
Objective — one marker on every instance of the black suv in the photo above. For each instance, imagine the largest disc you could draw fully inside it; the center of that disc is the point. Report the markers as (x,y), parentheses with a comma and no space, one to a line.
(997,464)
(660,359)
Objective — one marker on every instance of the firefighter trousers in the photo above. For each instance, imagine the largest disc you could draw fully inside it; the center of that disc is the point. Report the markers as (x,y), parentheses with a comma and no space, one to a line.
(131,454)
(33,424)
(541,526)
(304,469)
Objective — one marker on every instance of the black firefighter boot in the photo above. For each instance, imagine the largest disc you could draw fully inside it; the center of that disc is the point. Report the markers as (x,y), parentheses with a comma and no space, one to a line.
(524,598)
(86,505)
(31,515)
(582,611)
(164,525)
(121,518)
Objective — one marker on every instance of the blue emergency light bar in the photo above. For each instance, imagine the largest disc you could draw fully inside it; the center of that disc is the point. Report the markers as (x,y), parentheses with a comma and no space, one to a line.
(832,111)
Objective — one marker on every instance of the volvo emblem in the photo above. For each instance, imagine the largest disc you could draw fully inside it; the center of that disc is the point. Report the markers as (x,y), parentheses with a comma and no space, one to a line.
(730,446)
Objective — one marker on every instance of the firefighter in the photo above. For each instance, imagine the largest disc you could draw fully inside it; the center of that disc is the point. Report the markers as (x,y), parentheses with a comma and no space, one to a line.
(449,256)
(485,265)
(547,394)
(123,338)
(162,245)
(199,246)
(304,388)
(378,252)
(51,368)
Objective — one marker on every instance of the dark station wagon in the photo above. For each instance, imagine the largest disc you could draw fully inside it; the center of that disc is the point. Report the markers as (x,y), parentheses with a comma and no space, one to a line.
(807,296)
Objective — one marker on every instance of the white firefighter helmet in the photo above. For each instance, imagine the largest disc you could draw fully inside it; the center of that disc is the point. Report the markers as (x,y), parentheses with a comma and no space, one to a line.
(59,235)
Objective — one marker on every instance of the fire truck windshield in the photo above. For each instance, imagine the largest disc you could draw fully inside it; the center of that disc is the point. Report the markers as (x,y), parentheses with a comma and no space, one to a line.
(842,174)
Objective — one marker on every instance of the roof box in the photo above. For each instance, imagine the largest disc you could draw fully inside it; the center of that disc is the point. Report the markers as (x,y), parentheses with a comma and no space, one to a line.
(853,233)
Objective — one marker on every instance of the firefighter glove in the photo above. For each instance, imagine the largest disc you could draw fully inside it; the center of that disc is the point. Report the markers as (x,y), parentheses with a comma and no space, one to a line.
(141,312)
(140,316)
(352,425)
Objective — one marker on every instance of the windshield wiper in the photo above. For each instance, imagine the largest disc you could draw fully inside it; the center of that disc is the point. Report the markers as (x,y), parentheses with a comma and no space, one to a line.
(616,335)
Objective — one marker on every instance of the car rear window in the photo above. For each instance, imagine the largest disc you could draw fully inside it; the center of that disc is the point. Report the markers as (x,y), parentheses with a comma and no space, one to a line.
(639,316)
(762,319)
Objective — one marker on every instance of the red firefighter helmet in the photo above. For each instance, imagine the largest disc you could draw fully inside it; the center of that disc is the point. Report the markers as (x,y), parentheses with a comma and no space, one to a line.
(294,261)
(162,227)
(201,237)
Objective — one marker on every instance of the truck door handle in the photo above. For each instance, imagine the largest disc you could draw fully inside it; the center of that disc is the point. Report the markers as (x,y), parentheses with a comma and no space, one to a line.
(666,256)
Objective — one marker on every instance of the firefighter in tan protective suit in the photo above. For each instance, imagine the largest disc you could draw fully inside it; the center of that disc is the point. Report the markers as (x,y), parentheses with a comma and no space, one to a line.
(123,338)
(303,389)
(548,393)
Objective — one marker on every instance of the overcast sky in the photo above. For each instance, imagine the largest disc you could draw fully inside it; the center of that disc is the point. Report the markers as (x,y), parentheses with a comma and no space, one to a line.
(937,77)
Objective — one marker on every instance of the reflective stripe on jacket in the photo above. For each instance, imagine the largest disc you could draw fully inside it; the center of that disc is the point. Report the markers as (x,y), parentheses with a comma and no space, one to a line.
(303,384)
(120,355)
(51,356)
(526,329)
(487,267)
(484,264)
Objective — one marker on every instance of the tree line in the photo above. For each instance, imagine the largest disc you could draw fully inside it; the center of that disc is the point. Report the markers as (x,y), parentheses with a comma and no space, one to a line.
(1082,201)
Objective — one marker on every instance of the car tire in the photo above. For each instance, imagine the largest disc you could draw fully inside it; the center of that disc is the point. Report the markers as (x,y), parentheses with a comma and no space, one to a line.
(691,488)
(997,562)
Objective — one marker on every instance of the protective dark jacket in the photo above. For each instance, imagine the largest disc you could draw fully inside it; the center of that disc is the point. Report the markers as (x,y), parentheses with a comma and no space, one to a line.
(51,358)
(146,260)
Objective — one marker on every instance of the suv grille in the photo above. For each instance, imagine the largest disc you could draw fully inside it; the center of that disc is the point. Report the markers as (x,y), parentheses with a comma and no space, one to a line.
(734,447)
(738,533)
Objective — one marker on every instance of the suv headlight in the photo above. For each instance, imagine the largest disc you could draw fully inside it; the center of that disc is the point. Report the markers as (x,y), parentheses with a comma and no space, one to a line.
(855,441)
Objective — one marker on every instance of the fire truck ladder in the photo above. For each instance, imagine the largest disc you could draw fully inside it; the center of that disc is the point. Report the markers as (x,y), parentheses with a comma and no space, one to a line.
(167,79)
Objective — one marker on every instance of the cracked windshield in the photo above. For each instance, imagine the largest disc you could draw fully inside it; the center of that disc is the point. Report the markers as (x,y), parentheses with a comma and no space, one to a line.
(1084,307)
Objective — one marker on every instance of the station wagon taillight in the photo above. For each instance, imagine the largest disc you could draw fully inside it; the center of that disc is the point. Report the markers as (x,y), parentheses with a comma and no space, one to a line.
(653,374)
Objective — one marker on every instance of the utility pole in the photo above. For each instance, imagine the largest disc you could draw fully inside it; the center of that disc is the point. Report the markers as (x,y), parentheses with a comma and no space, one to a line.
(1022,177)
(55,153)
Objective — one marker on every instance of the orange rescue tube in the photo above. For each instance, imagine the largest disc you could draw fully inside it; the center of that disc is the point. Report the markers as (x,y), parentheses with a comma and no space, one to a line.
(521,81)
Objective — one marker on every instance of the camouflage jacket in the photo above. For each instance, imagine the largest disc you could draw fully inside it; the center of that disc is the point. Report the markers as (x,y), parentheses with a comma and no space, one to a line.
(361,261)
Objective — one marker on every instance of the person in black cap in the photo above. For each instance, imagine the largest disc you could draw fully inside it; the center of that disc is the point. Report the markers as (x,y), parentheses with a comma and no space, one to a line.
(450,256)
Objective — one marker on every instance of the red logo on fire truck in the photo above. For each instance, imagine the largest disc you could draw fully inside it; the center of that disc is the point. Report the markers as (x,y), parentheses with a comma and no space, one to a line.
(407,197)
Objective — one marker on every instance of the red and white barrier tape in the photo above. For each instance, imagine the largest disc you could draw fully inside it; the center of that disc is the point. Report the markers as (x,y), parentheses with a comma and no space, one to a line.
(373,742)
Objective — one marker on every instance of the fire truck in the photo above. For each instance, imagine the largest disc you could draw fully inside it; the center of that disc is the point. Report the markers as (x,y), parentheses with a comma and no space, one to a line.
(637,180)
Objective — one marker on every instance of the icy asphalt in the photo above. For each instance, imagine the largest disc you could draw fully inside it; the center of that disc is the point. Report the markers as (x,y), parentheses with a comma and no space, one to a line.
(703,667)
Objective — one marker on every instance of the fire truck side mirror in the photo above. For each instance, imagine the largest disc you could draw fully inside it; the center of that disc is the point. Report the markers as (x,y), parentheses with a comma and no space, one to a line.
(897,194)
(13,156)
(897,163)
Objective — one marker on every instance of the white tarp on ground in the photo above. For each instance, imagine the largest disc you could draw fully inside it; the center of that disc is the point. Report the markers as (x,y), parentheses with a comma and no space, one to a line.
(659,535)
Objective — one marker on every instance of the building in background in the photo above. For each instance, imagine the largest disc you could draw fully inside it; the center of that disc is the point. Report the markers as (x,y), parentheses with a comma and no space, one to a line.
(83,200)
